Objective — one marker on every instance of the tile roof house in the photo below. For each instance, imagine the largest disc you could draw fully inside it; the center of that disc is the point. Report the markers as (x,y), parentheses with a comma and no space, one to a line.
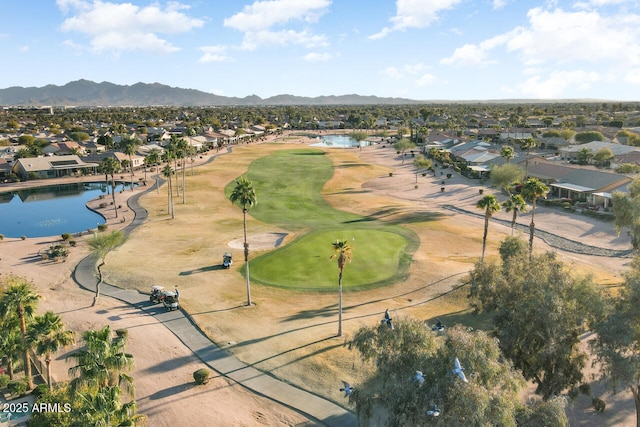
(570,152)
(52,166)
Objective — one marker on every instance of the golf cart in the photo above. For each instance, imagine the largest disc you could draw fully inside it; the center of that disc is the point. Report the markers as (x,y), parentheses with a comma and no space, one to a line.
(227,260)
(171,300)
(157,294)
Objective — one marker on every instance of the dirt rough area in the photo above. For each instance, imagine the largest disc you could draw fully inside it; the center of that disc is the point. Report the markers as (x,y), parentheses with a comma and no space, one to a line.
(291,335)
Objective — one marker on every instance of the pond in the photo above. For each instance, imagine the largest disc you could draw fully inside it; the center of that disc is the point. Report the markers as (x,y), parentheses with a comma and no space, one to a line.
(339,141)
(51,210)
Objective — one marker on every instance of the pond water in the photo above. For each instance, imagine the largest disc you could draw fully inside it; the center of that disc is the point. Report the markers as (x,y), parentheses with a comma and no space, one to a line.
(51,210)
(338,141)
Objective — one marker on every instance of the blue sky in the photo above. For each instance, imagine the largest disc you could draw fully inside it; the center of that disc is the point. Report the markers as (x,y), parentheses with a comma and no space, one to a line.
(417,49)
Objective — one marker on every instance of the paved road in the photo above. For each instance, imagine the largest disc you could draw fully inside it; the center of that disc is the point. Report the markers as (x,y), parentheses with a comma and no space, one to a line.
(318,409)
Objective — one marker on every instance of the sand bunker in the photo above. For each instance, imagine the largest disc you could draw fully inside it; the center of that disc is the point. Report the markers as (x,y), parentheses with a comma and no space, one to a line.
(260,241)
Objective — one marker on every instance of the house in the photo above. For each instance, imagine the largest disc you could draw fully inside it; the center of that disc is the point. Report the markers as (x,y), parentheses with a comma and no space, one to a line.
(52,167)
(5,170)
(578,183)
(570,152)
(63,148)
(136,160)
(552,143)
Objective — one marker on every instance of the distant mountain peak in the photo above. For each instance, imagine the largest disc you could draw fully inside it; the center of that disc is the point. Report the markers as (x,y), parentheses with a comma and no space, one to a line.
(86,93)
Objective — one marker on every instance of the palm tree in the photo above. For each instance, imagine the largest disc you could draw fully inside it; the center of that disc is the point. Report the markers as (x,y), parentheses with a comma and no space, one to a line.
(154,159)
(245,195)
(102,362)
(20,300)
(531,191)
(106,408)
(514,204)
(182,151)
(48,335)
(490,205)
(101,244)
(130,149)
(10,344)
(167,172)
(344,253)
(109,167)
(527,144)
(507,152)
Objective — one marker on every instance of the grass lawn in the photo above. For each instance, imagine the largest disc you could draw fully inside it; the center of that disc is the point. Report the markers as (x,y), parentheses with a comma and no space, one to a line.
(289,187)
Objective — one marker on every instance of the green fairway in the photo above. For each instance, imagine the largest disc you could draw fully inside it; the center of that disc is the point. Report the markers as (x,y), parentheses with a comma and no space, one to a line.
(288,185)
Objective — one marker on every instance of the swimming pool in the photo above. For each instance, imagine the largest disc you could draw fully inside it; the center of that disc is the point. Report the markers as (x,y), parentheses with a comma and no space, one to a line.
(51,210)
(339,141)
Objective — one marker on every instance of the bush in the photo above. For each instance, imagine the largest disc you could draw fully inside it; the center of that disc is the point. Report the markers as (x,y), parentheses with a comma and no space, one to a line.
(4,380)
(122,333)
(201,376)
(40,390)
(18,387)
(65,236)
(102,227)
(23,237)
(1,236)
(102,205)
(72,242)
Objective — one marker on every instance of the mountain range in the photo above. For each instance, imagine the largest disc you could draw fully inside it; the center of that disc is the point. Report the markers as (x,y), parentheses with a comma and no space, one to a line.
(86,93)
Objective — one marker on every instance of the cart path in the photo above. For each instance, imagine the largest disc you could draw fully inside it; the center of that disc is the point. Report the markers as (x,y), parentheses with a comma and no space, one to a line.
(180,324)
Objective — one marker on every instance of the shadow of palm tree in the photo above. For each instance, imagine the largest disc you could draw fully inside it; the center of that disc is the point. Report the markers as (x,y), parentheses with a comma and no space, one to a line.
(170,391)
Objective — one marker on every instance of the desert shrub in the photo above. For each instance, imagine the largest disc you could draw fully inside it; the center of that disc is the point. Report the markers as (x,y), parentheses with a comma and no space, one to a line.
(65,236)
(23,237)
(4,380)
(102,205)
(72,242)
(201,376)
(1,236)
(122,333)
(102,227)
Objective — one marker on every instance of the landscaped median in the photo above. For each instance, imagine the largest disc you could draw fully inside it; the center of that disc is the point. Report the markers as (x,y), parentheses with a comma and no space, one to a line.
(289,186)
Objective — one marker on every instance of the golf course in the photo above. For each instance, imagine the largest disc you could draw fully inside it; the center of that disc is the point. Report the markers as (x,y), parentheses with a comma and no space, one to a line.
(290,197)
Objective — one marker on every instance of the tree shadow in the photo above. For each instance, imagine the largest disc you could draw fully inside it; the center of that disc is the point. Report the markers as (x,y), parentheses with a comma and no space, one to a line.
(170,391)
(168,365)
(202,270)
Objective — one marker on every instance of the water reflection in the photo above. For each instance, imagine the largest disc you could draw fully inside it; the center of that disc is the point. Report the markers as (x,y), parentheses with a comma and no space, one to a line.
(51,210)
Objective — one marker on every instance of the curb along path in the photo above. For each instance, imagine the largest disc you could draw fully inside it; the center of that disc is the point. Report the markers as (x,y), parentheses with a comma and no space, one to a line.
(179,323)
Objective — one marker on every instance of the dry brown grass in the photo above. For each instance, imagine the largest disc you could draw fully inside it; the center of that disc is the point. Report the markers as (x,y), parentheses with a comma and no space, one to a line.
(292,334)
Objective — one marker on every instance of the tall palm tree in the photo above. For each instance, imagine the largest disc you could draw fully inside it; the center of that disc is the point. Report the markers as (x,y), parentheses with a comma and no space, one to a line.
(182,151)
(20,300)
(101,244)
(507,152)
(244,195)
(531,191)
(343,253)
(109,167)
(105,407)
(47,335)
(130,149)
(154,159)
(514,204)
(490,205)
(527,144)
(167,172)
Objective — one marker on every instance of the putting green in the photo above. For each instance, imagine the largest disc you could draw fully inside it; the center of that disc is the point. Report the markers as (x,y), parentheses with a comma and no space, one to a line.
(288,187)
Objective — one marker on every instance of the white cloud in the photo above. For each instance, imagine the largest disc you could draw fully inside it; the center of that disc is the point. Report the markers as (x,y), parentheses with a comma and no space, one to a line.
(471,55)
(213,54)
(599,3)
(415,14)
(559,36)
(555,84)
(257,20)
(118,27)
(633,76)
(393,72)
(426,79)
(499,4)
(317,57)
